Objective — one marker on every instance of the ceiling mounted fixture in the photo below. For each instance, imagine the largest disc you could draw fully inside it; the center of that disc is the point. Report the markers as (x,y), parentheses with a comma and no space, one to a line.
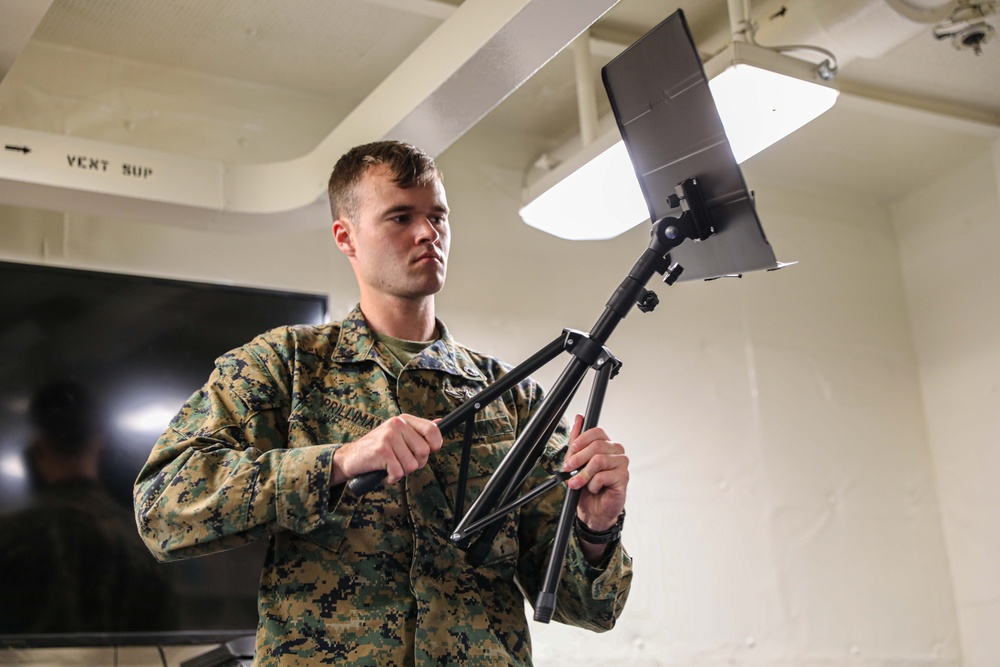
(592,195)
(966,26)
(762,95)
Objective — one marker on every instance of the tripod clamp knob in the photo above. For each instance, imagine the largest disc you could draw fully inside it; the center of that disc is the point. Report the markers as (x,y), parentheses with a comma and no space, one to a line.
(648,301)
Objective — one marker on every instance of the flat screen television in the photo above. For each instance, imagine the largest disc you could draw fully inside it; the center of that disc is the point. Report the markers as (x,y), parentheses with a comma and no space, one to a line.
(108,360)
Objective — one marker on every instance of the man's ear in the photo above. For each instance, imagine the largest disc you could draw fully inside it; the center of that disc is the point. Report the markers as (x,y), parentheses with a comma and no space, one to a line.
(342,236)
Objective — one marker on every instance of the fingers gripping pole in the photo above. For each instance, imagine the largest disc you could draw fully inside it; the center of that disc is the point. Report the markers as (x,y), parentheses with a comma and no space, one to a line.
(545,605)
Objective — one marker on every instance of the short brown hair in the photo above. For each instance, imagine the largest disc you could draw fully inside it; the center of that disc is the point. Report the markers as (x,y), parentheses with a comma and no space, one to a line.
(408,165)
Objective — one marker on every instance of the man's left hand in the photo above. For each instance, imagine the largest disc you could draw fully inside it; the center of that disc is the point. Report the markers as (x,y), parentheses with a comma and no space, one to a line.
(603,478)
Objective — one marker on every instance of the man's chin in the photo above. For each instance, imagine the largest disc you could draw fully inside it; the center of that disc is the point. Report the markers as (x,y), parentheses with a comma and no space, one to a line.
(425,291)
(432,285)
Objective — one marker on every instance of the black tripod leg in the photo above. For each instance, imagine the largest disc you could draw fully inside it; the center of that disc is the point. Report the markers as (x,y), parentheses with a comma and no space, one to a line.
(519,460)
(545,605)
(553,407)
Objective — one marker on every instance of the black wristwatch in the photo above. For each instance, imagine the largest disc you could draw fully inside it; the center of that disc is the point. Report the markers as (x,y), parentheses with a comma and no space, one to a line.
(612,534)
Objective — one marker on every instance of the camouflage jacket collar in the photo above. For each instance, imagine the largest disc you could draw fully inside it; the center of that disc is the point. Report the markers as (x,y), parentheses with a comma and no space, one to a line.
(358,343)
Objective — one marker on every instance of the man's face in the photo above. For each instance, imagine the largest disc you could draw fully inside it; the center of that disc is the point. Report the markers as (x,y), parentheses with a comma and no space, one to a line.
(399,241)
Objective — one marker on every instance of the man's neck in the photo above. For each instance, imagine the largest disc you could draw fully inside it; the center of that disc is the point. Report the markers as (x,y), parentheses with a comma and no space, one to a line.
(401,318)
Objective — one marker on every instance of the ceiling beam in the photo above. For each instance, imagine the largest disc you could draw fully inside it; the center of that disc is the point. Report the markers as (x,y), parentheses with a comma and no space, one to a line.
(506,60)
(474,60)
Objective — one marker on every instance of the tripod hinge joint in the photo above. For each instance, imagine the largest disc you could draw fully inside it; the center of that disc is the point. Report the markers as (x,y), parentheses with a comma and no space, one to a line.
(595,355)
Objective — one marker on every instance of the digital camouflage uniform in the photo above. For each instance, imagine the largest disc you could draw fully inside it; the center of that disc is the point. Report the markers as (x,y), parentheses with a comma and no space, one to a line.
(370,580)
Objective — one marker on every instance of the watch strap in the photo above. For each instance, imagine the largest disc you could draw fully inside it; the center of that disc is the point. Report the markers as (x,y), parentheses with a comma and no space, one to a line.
(612,534)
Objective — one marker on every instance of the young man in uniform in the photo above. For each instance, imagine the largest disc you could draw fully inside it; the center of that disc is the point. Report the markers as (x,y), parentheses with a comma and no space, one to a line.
(265,448)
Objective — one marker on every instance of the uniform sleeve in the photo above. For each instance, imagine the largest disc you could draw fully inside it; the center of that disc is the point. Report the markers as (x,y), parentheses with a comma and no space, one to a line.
(222,475)
(587,596)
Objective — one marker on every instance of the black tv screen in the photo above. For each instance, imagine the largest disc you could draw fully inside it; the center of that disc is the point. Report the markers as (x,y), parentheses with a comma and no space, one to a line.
(92,368)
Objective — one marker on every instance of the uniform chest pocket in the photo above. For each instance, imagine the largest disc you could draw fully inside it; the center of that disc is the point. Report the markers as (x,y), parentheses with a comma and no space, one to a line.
(491,440)
(322,419)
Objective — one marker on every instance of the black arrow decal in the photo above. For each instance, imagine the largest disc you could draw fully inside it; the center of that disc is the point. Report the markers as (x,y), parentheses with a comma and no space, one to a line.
(23,149)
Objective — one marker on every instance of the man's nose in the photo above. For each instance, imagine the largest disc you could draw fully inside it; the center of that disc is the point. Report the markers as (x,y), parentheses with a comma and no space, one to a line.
(427,231)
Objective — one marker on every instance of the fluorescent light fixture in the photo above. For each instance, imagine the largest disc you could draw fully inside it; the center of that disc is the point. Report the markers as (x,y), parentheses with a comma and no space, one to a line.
(590,196)
(762,96)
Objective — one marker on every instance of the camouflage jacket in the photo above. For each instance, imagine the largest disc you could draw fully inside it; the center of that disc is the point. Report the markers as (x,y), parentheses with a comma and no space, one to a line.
(370,580)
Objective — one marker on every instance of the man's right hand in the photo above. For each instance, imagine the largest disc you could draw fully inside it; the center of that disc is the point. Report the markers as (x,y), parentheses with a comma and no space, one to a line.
(399,446)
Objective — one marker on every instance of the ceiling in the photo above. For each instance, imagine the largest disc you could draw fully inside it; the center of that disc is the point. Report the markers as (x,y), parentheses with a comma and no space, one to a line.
(244,104)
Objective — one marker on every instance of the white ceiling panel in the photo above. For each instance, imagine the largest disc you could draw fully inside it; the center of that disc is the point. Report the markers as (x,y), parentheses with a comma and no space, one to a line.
(329,47)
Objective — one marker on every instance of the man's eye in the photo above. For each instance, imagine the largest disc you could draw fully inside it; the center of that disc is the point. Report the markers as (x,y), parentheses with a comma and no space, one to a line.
(400,218)
(438,219)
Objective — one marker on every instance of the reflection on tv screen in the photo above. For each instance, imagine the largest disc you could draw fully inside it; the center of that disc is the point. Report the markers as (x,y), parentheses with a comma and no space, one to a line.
(92,368)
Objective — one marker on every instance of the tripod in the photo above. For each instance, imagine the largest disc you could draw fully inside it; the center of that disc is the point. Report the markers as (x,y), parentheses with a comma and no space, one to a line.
(588,351)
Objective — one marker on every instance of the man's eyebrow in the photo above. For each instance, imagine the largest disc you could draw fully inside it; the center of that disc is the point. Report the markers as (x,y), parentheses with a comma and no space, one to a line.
(405,208)
(402,208)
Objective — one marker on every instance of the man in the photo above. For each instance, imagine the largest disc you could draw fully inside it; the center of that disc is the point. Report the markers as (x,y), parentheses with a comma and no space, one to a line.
(264,449)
